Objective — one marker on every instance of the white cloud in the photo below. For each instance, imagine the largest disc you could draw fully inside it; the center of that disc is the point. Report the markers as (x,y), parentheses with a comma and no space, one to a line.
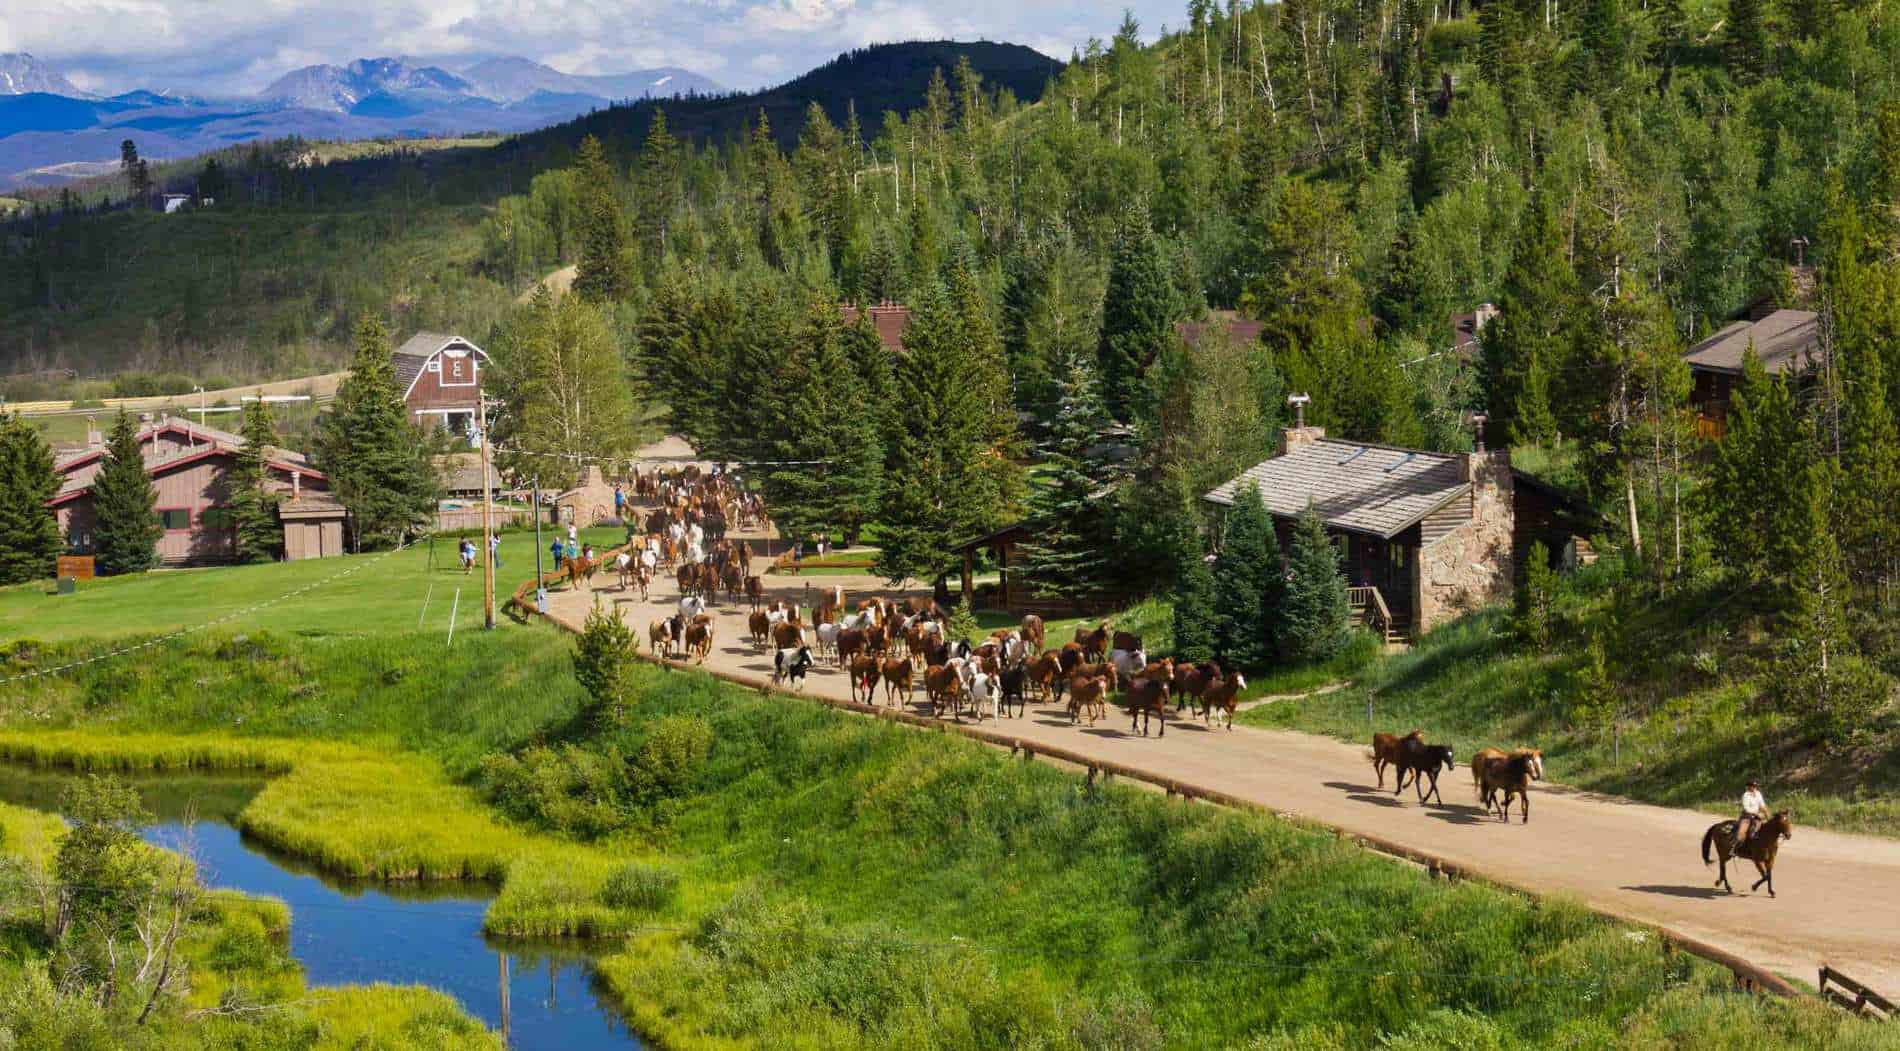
(233,46)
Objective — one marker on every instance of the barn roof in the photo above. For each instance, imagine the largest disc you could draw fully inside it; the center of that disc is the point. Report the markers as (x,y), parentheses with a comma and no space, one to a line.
(1373,489)
(1784,340)
(415,352)
(1239,329)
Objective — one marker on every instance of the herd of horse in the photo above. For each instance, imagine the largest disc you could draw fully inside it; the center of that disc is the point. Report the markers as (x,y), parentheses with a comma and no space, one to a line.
(897,646)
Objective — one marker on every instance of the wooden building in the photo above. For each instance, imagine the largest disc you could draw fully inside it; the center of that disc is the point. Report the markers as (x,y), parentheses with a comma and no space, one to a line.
(1786,341)
(888,318)
(190,466)
(1423,536)
(441,380)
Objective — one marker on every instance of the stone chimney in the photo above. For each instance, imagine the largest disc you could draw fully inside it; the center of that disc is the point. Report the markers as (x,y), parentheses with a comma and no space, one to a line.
(1299,436)
(94,440)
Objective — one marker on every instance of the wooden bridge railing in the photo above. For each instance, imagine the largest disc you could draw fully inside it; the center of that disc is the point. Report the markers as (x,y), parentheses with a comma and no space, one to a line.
(1842,991)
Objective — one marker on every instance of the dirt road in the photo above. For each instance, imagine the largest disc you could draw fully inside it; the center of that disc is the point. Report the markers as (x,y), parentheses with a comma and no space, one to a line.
(1839,894)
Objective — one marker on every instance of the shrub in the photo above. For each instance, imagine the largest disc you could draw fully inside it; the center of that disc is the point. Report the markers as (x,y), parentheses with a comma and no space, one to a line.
(572,790)
(670,760)
(646,888)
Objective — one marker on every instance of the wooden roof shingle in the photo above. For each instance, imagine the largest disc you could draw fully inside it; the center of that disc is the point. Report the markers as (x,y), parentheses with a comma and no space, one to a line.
(1371,489)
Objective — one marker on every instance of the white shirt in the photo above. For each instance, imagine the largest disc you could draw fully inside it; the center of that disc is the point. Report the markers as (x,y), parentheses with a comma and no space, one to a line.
(573,533)
(1753,804)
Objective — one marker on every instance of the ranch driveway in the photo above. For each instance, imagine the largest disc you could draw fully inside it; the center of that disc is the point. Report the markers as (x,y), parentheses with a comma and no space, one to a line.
(1839,894)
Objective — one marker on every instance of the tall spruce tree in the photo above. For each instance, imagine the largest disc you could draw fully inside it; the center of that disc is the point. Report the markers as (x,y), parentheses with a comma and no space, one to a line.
(1758,482)
(1247,578)
(1137,318)
(1196,633)
(605,272)
(1068,555)
(29,531)
(260,533)
(377,461)
(949,474)
(1314,614)
(830,460)
(1525,343)
(126,527)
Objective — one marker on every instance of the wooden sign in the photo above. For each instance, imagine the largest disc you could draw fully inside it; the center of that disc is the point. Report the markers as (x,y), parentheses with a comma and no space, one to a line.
(75,567)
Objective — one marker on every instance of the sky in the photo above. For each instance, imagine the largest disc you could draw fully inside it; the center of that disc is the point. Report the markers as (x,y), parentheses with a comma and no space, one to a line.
(239,46)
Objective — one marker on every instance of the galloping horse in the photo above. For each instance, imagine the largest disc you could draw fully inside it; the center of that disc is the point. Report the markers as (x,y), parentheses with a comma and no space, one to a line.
(1760,848)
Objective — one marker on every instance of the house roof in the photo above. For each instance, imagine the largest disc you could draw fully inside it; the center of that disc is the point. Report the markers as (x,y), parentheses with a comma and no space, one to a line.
(1239,329)
(1784,340)
(414,354)
(1015,531)
(1373,489)
(218,444)
(890,320)
(462,472)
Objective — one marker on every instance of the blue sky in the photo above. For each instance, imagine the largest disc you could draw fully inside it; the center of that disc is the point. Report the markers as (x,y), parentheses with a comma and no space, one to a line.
(238,46)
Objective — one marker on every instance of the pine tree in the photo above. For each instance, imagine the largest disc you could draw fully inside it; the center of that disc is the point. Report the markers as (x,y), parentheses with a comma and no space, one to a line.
(1533,598)
(603,658)
(1068,555)
(1860,303)
(377,461)
(949,474)
(1247,578)
(1524,343)
(1314,615)
(1137,318)
(126,528)
(29,531)
(1756,478)
(829,475)
(605,272)
(1195,624)
(1746,46)
(260,533)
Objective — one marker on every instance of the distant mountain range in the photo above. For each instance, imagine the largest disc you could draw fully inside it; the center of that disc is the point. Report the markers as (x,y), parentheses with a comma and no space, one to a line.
(51,131)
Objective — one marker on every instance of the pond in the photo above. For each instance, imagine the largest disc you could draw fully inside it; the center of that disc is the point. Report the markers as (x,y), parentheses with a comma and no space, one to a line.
(343,932)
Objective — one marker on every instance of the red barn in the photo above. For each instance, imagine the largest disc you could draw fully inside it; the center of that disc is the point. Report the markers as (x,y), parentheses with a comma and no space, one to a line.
(441,380)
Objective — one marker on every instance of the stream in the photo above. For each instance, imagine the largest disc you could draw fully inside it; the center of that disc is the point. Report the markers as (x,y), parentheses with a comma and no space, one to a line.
(539,994)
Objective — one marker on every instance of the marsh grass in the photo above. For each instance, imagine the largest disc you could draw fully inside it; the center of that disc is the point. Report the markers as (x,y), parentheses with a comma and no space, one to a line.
(845,883)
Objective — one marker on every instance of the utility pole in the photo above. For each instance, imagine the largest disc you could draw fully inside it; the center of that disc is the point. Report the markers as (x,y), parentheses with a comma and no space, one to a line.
(488,530)
(540,592)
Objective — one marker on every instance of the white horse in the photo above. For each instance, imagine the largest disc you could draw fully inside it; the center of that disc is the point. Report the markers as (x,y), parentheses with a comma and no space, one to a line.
(690,607)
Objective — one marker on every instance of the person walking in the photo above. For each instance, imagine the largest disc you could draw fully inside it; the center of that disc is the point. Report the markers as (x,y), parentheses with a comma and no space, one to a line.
(554,550)
(494,551)
(467,552)
(620,502)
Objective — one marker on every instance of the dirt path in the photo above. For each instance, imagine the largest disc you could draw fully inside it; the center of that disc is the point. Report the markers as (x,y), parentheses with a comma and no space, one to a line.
(1839,894)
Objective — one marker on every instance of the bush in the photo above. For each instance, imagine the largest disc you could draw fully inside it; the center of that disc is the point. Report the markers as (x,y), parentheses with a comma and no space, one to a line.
(646,888)
(572,790)
(670,760)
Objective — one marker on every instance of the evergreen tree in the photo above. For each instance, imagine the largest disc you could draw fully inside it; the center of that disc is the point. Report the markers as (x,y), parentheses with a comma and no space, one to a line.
(1861,303)
(605,272)
(1314,614)
(126,528)
(1247,578)
(1758,482)
(1533,598)
(603,658)
(260,533)
(377,461)
(949,474)
(1525,342)
(1746,45)
(1195,623)
(29,531)
(1137,318)
(829,474)
(1068,555)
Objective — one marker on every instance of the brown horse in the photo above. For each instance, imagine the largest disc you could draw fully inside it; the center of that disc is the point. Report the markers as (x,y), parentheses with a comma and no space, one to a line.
(897,673)
(580,571)
(760,626)
(1032,632)
(1094,642)
(1760,848)
(1511,774)
(699,639)
(1385,751)
(754,590)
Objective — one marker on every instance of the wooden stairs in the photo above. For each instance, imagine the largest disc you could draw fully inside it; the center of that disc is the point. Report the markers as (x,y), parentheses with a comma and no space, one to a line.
(1369,609)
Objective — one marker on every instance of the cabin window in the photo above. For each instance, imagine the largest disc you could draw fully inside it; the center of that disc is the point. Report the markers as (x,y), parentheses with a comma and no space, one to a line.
(174,518)
(217,518)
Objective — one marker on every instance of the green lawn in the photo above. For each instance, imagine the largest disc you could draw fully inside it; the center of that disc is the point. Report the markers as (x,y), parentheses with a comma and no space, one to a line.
(350,595)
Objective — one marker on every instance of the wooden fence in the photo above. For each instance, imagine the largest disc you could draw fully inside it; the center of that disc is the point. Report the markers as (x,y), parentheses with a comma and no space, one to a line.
(1842,991)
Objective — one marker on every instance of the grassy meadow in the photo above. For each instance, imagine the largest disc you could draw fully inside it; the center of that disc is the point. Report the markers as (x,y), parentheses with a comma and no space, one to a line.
(351,595)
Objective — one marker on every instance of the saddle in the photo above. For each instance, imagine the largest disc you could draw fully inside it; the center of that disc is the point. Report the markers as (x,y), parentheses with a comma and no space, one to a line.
(1744,848)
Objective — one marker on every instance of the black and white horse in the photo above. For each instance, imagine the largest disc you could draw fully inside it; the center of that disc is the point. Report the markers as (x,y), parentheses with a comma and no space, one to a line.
(791,665)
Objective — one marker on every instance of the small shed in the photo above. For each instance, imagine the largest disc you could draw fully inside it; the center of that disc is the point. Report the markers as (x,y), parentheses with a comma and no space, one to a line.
(313,525)
(1003,544)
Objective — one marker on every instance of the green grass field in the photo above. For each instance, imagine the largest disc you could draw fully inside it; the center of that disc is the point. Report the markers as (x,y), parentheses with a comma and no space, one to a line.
(350,595)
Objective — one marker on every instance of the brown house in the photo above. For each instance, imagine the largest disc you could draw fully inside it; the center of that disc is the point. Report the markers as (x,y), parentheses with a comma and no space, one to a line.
(1786,341)
(190,466)
(1423,535)
(441,380)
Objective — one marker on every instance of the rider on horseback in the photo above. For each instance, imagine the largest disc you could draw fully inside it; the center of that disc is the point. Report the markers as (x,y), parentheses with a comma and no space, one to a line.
(1754,812)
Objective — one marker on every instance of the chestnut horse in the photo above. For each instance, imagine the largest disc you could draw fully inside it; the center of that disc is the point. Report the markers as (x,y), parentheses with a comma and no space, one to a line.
(1760,848)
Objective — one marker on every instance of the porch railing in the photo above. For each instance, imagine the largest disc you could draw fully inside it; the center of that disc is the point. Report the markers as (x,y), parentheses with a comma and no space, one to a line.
(1370,604)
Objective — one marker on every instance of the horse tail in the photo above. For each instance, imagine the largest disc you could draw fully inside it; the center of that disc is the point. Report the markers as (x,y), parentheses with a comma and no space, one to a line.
(1708,840)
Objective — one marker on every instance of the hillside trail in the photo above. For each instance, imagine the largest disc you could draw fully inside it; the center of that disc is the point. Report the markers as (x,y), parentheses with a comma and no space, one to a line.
(320,387)
(1839,894)
(560,282)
